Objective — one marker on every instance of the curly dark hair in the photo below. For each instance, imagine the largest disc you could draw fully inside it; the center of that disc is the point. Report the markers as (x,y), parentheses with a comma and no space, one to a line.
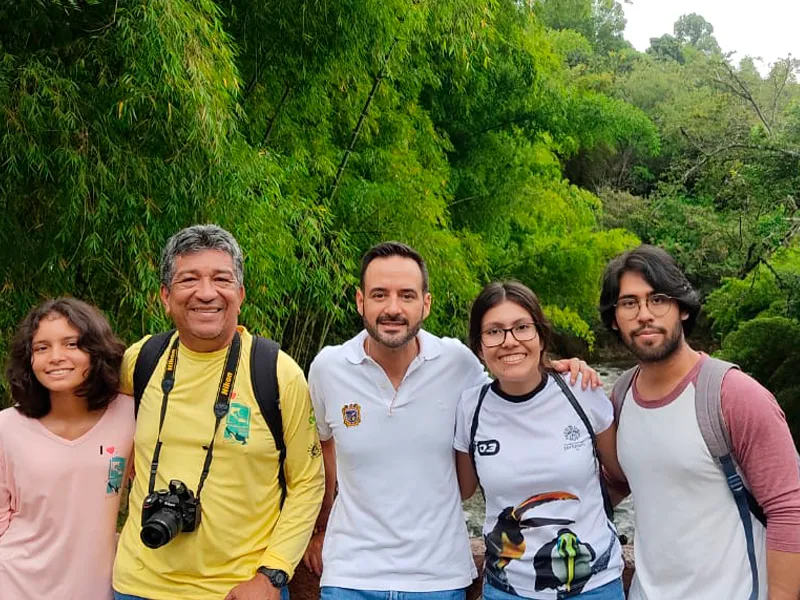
(96,338)
(497,292)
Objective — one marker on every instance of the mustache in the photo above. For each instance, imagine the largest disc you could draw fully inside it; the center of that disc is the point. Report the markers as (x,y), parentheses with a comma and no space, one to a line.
(648,329)
(395,319)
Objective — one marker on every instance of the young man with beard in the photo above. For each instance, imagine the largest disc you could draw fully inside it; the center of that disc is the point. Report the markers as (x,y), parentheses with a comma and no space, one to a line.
(385,404)
(690,540)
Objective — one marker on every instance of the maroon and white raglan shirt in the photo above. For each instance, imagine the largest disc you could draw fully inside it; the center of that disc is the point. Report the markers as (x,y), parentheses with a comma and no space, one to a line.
(689,540)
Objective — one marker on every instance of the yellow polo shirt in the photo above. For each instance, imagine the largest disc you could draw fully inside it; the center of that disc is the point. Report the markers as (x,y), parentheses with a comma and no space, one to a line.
(242,525)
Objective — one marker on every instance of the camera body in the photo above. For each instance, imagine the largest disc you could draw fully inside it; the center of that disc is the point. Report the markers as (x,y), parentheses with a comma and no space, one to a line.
(165,513)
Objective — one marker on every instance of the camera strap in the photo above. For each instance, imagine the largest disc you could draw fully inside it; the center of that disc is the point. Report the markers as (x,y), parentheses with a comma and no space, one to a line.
(221,404)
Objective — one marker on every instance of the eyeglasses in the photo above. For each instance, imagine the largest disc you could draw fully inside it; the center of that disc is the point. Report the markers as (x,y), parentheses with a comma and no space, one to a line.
(495,336)
(629,306)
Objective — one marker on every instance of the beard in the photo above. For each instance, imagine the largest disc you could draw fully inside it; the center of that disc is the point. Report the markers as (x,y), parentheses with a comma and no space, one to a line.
(393,341)
(656,353)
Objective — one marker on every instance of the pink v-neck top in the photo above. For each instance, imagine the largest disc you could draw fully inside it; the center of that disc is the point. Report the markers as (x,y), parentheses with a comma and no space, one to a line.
(58,505)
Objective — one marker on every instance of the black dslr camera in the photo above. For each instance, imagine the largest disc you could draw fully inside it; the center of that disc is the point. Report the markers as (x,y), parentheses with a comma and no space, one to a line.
(165,513)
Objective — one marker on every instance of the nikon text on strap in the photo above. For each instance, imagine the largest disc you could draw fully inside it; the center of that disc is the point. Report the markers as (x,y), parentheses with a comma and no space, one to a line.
(221,404)
(263,375)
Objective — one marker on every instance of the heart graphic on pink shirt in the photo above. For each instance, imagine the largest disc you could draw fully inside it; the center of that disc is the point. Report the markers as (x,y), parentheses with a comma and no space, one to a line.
(110,449)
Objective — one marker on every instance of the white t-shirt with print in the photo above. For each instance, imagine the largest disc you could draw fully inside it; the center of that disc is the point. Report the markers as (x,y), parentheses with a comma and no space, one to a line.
(546,530)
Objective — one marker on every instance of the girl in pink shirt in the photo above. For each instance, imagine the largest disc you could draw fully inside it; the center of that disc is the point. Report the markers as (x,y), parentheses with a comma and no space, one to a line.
(65,447)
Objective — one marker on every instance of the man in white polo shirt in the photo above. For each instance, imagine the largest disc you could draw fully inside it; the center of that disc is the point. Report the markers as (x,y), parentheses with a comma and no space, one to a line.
(388,398)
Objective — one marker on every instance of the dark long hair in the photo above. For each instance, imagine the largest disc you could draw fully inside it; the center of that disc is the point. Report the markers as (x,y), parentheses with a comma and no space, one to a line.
(658,269)
(95,338)
(499,291)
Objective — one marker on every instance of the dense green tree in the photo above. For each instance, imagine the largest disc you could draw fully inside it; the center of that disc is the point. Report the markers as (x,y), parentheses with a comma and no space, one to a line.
(601,22)
(694,30)
(667,47)
(311,130)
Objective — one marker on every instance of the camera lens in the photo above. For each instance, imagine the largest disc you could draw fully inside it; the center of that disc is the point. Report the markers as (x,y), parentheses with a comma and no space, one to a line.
(160,528)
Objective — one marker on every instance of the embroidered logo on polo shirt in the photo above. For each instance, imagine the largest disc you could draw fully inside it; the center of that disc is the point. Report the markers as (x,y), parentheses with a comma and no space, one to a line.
(314,450)
(351,415)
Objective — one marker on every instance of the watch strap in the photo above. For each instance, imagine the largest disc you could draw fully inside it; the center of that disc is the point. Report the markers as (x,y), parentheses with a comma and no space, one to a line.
(277,577)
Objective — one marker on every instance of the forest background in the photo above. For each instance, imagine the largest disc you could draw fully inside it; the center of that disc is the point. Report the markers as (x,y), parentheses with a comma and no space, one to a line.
(502,138)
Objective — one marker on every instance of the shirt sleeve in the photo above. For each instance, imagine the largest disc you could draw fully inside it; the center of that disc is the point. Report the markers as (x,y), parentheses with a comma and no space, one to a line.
(474,372)
(315,387)
(464,412)
(595,403)
(305,479)
(763,447)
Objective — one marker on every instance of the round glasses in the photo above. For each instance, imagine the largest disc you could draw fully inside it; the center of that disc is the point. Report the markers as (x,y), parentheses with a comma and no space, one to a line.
(628,307)
(495,336)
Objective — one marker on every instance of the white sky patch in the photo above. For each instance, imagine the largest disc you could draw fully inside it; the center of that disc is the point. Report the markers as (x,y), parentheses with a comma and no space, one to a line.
(769,29)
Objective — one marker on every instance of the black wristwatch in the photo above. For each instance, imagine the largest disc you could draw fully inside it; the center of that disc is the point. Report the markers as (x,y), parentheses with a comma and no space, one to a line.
(276,577)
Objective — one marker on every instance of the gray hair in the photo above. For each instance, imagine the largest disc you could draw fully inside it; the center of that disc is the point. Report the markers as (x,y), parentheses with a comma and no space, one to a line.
(198,238)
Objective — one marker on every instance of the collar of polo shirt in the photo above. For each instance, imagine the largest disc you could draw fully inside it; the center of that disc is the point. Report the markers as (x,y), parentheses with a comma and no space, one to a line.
(430,347)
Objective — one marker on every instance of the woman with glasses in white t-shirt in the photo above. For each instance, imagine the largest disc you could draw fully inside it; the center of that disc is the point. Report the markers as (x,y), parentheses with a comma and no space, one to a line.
(533,444)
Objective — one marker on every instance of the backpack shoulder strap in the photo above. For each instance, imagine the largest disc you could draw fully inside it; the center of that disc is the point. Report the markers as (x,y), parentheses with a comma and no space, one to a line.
(146,362)
(588,424)
(264,375)
(708,405)
(620,390)
(474,428)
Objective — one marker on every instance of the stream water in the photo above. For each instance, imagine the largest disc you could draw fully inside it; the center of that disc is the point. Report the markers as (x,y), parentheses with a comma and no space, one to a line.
(623,514)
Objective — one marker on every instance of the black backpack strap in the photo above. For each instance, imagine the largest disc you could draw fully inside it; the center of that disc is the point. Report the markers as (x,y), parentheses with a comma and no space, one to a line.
(146,363)
(264,375)
(579,409)
(474,428)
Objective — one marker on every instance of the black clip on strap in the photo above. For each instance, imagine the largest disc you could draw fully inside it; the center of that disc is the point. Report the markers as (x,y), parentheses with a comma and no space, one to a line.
(223,402)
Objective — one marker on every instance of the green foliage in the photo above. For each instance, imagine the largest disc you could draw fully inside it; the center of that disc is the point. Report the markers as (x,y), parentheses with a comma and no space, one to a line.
(738,301)
(766,347)
(311,130)
(763,345)
(601,22)
(667,48)
(758,319)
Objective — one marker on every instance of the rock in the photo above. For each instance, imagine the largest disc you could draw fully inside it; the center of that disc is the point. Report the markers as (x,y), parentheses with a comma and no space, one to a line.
(630,566)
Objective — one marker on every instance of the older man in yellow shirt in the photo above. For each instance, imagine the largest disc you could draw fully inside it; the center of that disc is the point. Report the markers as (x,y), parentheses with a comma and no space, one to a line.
(245,545)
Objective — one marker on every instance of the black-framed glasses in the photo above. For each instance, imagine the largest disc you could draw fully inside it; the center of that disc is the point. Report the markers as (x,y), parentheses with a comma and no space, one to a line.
(495,336)
(628,307)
